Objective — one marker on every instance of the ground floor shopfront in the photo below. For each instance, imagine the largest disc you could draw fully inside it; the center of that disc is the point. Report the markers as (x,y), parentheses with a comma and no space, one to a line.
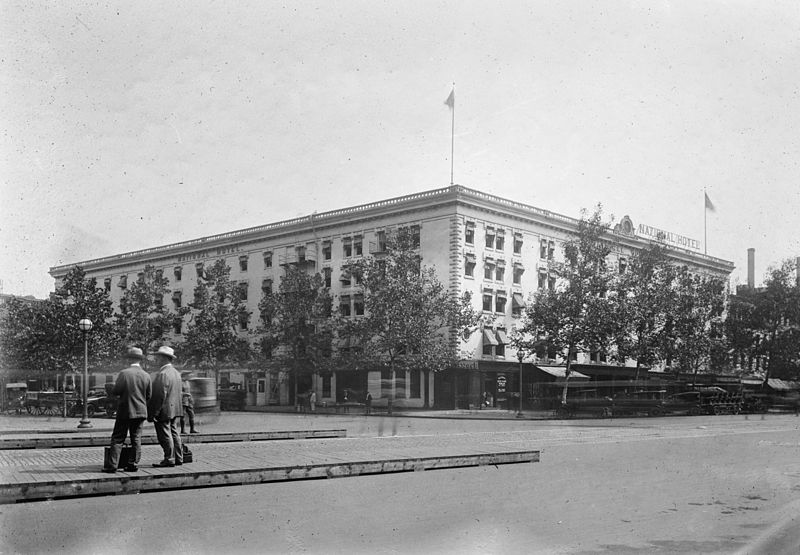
(277,387)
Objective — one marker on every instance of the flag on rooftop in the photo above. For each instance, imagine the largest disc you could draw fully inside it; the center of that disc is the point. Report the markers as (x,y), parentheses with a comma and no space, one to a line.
(451,100)
(709,204)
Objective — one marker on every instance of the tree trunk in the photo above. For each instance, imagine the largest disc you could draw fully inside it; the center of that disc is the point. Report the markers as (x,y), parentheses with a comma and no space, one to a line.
(567,372)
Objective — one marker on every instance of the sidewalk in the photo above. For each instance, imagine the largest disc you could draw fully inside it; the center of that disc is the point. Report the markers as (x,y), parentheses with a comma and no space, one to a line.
(231,459)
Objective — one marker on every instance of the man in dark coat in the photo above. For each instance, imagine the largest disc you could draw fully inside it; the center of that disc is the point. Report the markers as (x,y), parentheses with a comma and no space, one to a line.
(134,389)
(164,408)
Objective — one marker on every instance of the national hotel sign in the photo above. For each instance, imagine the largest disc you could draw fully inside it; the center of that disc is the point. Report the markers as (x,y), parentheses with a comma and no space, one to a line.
(626,227)
(200,255)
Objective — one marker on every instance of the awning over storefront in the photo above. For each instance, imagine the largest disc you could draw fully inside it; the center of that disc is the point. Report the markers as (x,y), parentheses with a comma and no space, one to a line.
(782,385)
(489,338)
(560,372)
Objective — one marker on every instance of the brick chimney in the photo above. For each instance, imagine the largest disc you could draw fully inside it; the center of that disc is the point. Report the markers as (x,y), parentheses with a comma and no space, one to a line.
(751,268)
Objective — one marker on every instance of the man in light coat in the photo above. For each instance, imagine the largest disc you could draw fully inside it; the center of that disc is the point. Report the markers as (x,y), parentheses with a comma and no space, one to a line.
(164,408)
(134,389)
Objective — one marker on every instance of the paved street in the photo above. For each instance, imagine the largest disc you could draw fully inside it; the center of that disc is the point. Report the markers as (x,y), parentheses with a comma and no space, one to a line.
(668,485)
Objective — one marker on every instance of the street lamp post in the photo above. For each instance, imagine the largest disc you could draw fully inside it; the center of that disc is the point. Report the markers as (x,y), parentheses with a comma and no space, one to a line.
(520,356)
(85,326)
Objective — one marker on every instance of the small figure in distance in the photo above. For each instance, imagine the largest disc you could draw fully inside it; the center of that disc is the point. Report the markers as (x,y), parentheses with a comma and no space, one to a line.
(188,406)
(312,401)
(134,389)
(165,408)
(368,404)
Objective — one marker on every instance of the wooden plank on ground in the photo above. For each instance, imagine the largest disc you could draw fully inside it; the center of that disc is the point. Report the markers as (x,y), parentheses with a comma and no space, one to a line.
(207,474)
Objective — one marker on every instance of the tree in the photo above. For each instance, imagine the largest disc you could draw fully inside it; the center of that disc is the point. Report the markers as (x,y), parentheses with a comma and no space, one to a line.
(297,320)
(579,314)
(643,305)
(143,319)
(218,308)
(44,336)
(411,320)
(695,316)
(776,316)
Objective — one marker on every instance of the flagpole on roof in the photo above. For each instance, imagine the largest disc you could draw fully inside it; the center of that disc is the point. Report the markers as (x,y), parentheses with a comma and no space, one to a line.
(451,101)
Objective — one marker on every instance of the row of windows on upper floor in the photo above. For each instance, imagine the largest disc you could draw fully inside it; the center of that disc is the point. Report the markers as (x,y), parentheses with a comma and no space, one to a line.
(495,270)
(352,246)
(495,239)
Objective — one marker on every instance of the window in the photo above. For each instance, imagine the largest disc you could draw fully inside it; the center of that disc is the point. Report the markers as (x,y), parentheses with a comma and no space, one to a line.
(198,268)
(551,283)
(178,272)
(500,271)
(487,301)
(517,304)
(518,243)
(344,305)
(266,286)
(243,290)
(140,277)
(243,321)
(345,279)
(489,342)
(542,280)
(358,305)
(327,272)
(177,326)
(502,341)
(543,249)
(517,274)
(414,384)
(177,299)
(488,269)
(500,240)
(107,284)
(469,233)
(623,264)
(158,301)
(415,236)
(551,249)
(381,236)
(243,263)
(490,238)
(301,254)
(469,265)
(326,250)
(500,302)
(597,356)
(358,245)
(123,282)
(268,259)
(347,247)
(326,385)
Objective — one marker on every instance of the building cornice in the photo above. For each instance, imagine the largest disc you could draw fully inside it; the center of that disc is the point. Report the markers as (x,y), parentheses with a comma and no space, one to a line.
(316,222)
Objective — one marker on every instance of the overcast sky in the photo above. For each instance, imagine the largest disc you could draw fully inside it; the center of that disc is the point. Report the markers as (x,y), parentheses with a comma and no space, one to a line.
(132,125)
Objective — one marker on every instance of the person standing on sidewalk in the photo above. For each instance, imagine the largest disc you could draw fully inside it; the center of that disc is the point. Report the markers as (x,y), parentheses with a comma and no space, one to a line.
(164,408)
(134,388)
(188,408)
(312,400)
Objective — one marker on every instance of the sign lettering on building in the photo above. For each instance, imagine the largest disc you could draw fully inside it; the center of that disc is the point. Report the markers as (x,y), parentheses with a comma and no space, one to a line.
(668,237)
(208,253)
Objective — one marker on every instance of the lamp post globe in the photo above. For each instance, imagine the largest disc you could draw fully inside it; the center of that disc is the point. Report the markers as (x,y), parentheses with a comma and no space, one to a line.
(85,325)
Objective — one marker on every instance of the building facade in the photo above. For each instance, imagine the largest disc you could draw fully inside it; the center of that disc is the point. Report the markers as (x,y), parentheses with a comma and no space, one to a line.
(497,249)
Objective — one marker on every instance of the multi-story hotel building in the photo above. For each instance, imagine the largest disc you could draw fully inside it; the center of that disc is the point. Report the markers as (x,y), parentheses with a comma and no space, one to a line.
(497,249)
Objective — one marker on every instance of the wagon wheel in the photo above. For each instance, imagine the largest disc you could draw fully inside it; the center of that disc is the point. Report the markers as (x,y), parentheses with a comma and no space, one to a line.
(41,410)
(31,409)
(52,410)
(656,411)
(90,410)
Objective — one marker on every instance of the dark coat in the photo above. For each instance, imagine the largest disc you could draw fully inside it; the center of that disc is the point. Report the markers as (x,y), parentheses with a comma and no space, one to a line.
(165,404)
(134,389)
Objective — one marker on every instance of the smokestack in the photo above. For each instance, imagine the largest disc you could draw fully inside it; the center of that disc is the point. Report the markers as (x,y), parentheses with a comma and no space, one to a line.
(751,268)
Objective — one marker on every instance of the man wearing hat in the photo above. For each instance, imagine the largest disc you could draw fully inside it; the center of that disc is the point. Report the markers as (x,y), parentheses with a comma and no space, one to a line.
(164,408)
(134,389)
